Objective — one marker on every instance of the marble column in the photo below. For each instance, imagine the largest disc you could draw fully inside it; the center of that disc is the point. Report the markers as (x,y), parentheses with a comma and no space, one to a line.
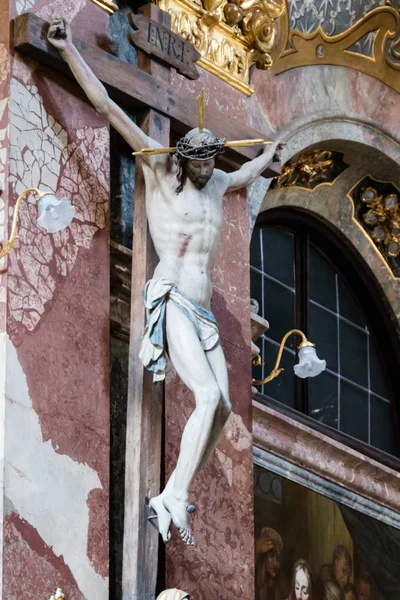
(54,324)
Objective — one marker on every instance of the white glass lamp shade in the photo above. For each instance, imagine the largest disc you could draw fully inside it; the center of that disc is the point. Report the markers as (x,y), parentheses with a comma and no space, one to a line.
(309,364)
(54,214)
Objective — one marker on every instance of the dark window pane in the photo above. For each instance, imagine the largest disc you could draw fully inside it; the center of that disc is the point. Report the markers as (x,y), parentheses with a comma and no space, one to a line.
(281,388)
(256,288)
(323,333)
(278,309)
(382,426)
(278,250)
(378,382)
(255,249)
(348,307)
(322,280)
(353,354)
(353,411)
(323,399)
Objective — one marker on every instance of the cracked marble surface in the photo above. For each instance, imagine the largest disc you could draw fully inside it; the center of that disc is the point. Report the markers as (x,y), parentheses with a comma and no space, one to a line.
(73,165)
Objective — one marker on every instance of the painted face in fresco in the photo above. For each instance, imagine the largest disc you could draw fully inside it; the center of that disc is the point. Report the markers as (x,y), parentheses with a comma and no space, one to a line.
(272,563)
(301,585)
(200,171)
(341,571)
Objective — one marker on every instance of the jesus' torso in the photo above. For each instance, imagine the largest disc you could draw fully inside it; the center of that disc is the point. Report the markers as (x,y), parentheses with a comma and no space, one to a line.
(185,229)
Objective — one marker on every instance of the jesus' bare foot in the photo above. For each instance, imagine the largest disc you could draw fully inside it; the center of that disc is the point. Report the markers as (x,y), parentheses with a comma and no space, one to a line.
(180,517)
(163,517)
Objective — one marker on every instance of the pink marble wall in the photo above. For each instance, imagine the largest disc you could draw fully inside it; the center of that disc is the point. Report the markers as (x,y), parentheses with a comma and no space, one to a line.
(4,94)
(57,390)
(4,101)
(321,93)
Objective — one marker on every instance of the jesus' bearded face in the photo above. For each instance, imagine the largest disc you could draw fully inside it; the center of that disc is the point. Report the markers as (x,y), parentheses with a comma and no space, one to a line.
(200,171)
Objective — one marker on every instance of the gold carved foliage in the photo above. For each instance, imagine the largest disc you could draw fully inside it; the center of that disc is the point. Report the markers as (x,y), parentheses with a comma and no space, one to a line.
(377,211)
(311,169)
(231,36)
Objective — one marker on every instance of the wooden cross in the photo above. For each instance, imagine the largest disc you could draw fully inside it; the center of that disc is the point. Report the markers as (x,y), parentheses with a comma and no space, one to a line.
(135,88)
(144,421)
(146,86)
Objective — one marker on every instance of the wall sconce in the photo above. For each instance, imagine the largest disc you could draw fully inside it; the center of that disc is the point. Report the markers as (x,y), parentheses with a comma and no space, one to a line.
(54,215)
(309,364)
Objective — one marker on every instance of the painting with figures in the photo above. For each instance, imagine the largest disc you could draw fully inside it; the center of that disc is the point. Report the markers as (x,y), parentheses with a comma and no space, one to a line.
(307,547)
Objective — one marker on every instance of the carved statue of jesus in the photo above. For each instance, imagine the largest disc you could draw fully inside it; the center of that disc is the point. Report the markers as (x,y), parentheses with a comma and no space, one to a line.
(184,197)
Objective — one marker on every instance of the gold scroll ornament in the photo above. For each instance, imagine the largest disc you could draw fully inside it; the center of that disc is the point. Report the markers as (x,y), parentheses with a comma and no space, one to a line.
(298,49)
(231,36)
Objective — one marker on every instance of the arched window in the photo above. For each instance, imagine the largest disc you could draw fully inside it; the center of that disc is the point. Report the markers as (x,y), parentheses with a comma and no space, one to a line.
(305,276)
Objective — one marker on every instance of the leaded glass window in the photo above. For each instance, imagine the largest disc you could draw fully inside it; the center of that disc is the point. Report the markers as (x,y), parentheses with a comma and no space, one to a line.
(298,286)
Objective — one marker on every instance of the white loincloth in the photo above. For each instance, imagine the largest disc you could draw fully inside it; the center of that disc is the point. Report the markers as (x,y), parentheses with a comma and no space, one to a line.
(156,293)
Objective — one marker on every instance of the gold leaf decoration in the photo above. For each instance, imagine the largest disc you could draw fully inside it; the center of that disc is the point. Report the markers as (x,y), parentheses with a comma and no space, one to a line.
(376,209)
(231,36)
(371,44)
(310,169)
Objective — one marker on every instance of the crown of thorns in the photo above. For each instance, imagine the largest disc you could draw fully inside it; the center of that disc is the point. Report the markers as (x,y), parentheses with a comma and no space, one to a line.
(191,149)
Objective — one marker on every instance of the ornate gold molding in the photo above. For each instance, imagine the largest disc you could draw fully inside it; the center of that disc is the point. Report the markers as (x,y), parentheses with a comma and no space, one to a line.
(311,169)
(297,49)
(303,172)
(375,205)
(106,5)
(230,36)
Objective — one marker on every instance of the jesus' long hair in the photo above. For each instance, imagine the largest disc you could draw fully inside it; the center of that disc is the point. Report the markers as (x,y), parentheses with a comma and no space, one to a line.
(181,172)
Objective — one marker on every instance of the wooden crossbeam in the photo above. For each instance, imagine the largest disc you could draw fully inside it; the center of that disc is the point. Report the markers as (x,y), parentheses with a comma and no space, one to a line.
(130,86)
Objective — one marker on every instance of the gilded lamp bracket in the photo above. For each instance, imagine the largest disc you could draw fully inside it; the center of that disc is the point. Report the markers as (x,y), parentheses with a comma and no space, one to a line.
(309,364)
(54,215)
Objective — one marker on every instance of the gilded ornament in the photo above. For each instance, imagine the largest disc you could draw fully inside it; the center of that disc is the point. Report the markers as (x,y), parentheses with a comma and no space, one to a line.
(383,216)
(233,14)
(58,595)
(377,212)
(370,43)
(310,168)
(231,36)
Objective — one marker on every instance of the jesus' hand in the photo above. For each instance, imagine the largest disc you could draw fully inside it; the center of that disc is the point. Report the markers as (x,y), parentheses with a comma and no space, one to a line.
(278,151)
(59,34)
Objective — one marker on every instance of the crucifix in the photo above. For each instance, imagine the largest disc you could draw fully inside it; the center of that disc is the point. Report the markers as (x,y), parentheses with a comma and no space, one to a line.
(180,192)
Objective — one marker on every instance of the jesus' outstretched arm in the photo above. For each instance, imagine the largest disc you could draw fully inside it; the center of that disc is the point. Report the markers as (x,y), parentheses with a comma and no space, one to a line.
(250,171)
(59,35)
